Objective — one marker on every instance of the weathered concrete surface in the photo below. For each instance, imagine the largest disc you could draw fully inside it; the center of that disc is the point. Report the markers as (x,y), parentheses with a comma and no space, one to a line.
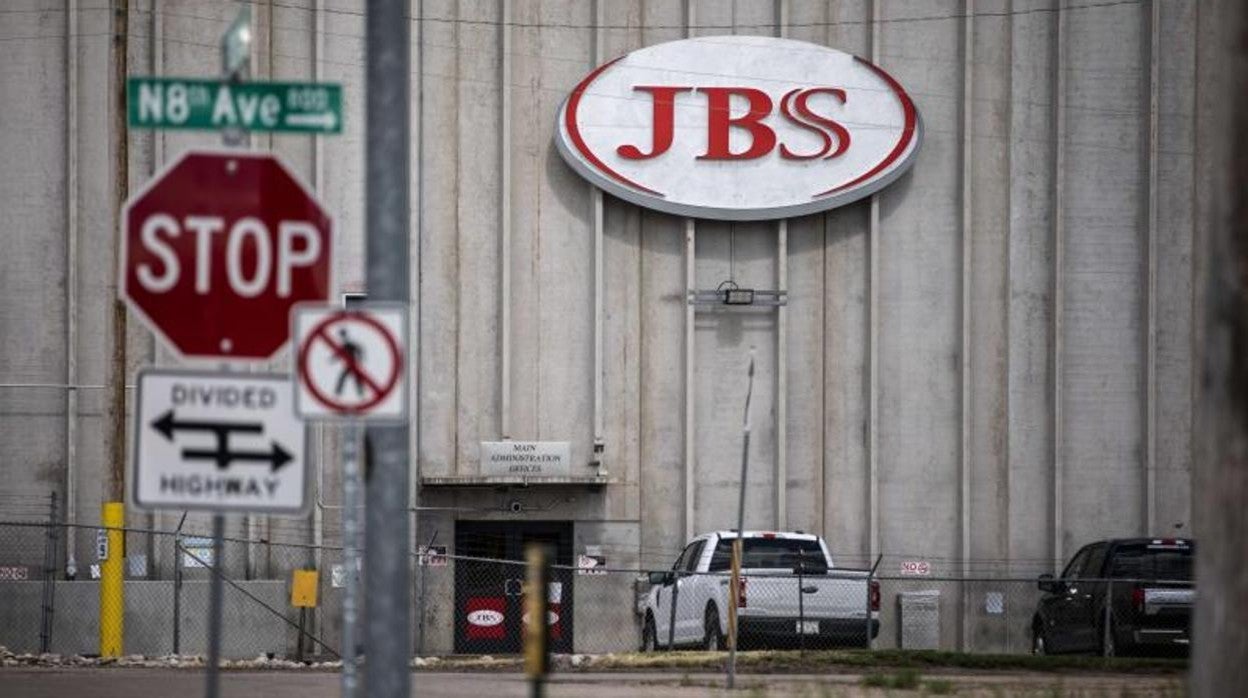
(249,629)
(1050,441)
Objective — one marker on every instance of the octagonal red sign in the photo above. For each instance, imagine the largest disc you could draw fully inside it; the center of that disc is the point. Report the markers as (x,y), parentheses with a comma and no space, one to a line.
(218,247)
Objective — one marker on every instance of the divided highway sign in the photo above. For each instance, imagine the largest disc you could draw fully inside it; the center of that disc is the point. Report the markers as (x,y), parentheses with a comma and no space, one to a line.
(218,442)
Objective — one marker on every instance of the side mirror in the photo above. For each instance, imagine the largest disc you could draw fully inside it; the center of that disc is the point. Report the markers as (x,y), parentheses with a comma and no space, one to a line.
(660,578)
(1047,583)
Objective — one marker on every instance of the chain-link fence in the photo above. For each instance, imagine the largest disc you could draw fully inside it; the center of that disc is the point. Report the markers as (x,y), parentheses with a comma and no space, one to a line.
(466,604)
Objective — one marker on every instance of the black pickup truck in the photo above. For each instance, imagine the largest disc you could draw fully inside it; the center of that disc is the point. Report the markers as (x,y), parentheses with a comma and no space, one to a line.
(1116,597)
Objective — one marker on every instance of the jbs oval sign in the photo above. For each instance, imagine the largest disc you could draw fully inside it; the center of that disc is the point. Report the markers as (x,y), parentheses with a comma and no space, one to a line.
(485,617)
(739,128)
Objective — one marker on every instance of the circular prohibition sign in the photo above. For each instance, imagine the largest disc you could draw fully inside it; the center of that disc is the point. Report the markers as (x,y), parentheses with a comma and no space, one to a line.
(380,389)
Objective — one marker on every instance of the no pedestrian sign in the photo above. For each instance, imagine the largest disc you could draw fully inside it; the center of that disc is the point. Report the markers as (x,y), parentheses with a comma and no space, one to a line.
(350,363)
(222,442)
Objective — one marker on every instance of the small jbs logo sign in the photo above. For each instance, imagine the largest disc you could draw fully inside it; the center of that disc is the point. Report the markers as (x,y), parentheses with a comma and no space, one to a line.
(485,618)
(739,128)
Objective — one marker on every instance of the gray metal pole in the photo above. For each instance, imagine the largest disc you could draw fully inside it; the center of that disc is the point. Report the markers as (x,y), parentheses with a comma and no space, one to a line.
(350,553)
(738,546)
(214,606)
(387,575)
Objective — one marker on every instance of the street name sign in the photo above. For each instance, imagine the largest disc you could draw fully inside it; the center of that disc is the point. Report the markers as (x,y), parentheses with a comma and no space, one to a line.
(207,104)
(220,442)
(350,363)
(217,249)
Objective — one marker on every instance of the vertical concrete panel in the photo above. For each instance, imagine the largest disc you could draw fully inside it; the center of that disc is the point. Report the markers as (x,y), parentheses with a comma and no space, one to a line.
(920,297)
(622,333)
(440,239)
(845,518)
(661,385)
(1175,370)
(989,192)
(565,254)
(530,137)
(98,273)
(805,371)
(342,190)
(1030,244)
(33,265)
(477,200)
(1103,341)
(745,255)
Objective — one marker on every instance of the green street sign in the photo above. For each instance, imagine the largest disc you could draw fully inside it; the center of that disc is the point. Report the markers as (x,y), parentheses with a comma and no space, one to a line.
(190,103)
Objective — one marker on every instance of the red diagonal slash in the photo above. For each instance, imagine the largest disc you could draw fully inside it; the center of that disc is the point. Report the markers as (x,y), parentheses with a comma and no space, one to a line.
(351,364)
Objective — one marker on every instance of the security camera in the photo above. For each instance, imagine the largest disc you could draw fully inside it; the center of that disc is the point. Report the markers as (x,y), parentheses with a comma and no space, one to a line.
(516,506)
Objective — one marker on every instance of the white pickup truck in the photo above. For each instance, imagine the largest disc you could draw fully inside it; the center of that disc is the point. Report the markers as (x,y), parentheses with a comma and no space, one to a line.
(790,595)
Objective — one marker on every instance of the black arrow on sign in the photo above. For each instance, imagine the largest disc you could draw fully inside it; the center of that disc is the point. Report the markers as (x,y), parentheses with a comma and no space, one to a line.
(276,457)
(168,423)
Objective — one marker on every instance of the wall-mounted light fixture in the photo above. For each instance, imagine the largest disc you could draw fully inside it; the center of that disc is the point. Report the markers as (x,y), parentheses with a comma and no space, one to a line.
(729,293)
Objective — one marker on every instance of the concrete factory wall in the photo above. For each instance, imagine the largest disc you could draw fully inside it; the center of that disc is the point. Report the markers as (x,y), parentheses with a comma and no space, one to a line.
(984,366)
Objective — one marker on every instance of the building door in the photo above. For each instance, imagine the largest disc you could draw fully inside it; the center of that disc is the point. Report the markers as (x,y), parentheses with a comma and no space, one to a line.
(489,602)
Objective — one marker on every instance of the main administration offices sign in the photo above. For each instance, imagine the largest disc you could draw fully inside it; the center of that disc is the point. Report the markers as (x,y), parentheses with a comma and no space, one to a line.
(739,128)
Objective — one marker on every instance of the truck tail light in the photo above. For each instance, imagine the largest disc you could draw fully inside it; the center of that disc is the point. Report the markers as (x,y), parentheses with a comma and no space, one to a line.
(1137,599)
(741,586)
(875,595)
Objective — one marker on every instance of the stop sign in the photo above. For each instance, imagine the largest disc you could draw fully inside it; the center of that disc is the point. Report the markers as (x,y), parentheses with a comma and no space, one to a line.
(218,247)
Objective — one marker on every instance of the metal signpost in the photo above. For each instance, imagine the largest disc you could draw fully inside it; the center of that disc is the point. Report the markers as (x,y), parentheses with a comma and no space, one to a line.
(215,251)
(350,367)
(387,212)
(738,545)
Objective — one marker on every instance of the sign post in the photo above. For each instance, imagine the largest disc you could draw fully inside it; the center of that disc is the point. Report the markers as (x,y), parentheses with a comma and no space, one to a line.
(738,545)
(215,251)
(387,189)
(350,367)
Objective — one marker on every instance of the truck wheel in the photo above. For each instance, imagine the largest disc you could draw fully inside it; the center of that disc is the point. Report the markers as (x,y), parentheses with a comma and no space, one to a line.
(649,639)
(714,639)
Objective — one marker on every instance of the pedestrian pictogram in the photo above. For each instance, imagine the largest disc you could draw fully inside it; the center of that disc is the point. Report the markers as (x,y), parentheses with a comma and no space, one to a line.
(218,442)
(350,363)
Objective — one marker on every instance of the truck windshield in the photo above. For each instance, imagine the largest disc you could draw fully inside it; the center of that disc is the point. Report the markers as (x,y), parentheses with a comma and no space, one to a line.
(1143,561)
(772,553)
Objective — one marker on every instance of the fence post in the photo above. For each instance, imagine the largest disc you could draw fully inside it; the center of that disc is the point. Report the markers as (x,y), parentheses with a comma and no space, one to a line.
(801,602)
(177,593)
(870,578)
(112,580)
(49,579)
(671,622)
(867,627)
(1107,620)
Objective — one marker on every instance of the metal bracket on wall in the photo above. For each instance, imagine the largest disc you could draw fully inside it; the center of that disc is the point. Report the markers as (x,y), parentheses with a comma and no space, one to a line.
(737,298)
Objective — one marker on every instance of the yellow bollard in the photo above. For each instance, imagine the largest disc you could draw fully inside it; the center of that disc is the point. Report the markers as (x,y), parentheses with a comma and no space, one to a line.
(112,581)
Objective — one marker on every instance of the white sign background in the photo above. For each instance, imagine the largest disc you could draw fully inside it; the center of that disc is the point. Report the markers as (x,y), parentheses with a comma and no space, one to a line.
(162,478)
(325,367)
(526,458)
(608,112)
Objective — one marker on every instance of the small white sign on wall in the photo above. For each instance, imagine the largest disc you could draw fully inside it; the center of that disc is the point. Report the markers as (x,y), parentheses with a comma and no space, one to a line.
(526,458)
